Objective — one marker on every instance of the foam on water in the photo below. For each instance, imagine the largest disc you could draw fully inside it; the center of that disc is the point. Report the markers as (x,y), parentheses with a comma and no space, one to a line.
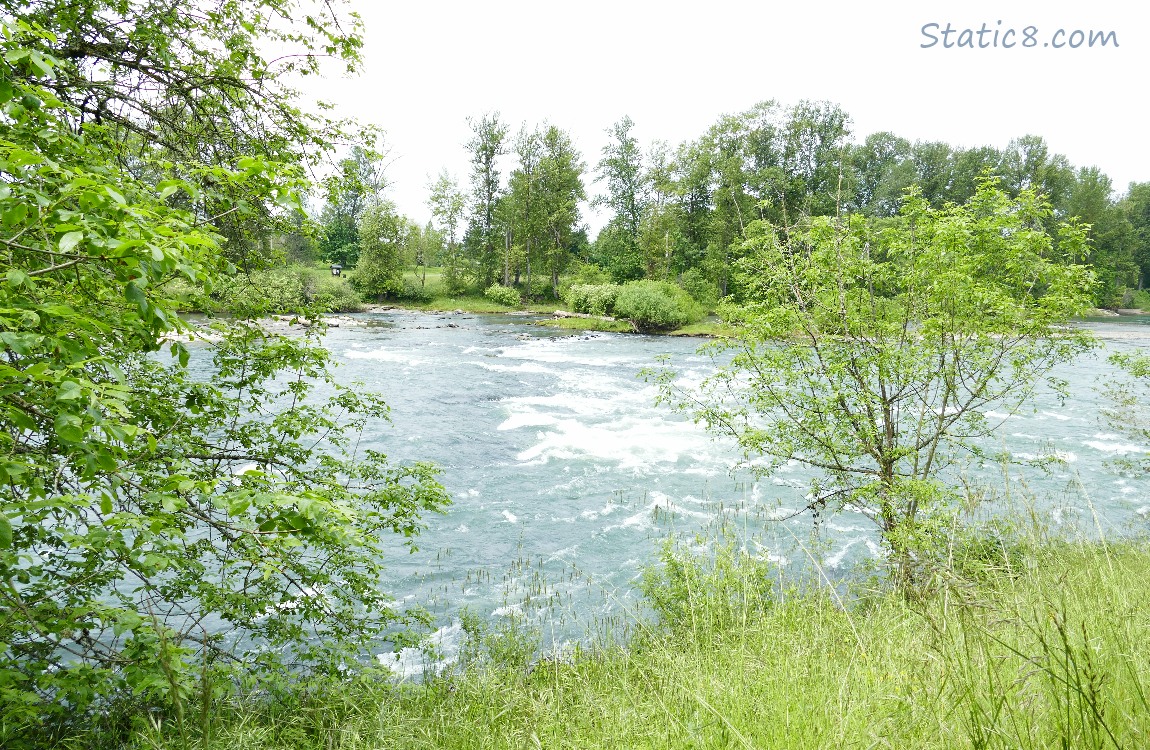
(387,355)
(1120,449)
(409,663)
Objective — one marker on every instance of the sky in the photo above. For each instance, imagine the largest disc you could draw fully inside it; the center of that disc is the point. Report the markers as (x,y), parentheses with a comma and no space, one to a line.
(676,67)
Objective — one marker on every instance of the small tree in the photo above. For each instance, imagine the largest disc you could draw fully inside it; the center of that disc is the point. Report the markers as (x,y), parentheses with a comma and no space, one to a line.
(871,351)
(382,232)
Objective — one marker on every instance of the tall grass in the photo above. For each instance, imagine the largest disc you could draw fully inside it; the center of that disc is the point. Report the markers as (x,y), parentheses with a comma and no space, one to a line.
(1018,644)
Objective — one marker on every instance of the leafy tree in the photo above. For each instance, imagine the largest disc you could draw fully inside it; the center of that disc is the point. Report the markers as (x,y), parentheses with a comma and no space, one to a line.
(1136,208)
(173,92)
(1090,201)
(161,532)
(524,205)
(1028,164)
(871,352)
(814,149)
(622,169)
(882,173)
(447,203)
(349,192)
(561,189)
(486,146)
(383,235)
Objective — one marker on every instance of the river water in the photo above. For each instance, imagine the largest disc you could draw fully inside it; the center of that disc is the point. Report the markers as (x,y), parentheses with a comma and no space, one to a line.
(565,474)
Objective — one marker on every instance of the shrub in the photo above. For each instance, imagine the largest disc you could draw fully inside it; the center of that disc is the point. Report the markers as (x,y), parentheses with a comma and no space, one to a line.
(328,293)
(594,299)
(415,292)
(502,295)
(656,305)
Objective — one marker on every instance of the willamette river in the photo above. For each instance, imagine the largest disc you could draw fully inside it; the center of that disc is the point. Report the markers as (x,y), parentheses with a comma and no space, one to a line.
(565,474)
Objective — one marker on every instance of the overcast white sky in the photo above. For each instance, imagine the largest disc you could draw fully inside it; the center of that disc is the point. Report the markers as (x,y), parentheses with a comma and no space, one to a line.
(675,67)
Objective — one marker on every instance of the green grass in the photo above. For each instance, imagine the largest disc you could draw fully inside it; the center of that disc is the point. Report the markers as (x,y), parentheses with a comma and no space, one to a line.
(588,324)
(1048,647)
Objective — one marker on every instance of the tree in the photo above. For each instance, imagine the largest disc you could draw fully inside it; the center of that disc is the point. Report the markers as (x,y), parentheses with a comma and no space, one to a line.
(178,92)
(561,190)
(486,146)
(383,235)
(164,532)
(523,204)
(447,204)
(870,351)
(349,192)
(622,169)
(1111,253)
(1136,208)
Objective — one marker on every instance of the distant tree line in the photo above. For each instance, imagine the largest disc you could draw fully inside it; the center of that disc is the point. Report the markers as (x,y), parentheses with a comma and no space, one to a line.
(681,214)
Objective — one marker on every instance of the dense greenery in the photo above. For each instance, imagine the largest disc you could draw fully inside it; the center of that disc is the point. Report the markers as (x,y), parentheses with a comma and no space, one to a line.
(164,535)
(684,214)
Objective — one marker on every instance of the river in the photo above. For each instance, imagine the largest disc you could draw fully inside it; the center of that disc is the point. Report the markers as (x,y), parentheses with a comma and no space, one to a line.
(565,474)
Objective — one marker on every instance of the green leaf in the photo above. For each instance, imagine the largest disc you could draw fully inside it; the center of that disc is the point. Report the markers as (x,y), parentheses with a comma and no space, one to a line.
(69,390)
(5,532)
(133,293)
(69,241)
(16,278)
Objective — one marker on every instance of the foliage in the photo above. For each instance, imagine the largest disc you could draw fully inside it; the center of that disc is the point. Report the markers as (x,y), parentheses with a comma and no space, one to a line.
(486,146)
(164,528)
(447,203)
(186,94)
(656,305)
(290,290)
(695,283)
(594,299)
(871,351)
(415,292)
(691,592)
(502,295)
(349,194)
(382,232)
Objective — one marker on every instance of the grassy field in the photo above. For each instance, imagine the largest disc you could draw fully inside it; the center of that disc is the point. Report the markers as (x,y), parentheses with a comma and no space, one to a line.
(1016,647)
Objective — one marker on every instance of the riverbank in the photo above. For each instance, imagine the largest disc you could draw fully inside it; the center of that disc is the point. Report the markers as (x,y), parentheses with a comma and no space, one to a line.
(1014,646)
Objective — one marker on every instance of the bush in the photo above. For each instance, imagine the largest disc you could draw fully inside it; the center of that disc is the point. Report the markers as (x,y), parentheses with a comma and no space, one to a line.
(415,292)
(656,305)
(328,293)
(1140,299)
(278,290)
(502,295)
(289,290)
(594,299)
